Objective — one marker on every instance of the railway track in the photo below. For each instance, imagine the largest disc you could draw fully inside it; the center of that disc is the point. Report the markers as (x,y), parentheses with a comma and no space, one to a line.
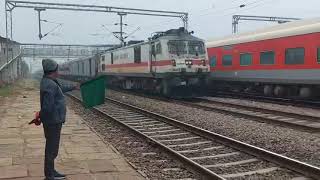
(212,155)
(306,122)
(287,119)
(268,99)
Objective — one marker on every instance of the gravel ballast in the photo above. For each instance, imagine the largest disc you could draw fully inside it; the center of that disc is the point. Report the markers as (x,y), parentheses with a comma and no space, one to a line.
(272,106)
(293,143)
(146,158)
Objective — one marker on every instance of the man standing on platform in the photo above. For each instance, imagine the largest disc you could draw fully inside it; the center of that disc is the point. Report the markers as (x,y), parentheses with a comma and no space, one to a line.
(52,114)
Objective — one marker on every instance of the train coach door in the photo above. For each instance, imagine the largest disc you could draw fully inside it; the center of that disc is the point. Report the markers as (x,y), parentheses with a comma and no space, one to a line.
(153,58)
(111,58)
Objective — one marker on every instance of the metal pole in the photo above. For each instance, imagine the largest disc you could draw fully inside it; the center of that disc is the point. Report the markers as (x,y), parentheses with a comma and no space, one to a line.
(11,25)
(185,21)
(40,34)
(237,18)
(7,33)
(121,27)
(121,30)
(39,20)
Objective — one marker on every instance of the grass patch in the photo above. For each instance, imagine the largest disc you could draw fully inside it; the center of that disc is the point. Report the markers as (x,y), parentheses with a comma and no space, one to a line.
(6,91)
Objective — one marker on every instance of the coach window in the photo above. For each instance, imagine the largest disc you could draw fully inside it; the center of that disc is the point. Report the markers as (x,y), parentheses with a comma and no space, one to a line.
(295,56)
(318,55)
(82,67)
(227,60)
(137,54)
(90,71)
(103,58)
(267,58)
(78,72)
(245,59)
(213,61)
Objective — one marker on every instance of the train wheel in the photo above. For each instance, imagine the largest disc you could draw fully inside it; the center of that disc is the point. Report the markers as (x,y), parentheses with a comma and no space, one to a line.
(280,91)
(268,90)
(305,92)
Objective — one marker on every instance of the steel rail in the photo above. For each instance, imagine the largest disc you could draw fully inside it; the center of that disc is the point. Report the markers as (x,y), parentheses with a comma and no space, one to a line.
(268,99)
(283,161)
(206,173)
(272,111)
(244,114)
(292,164)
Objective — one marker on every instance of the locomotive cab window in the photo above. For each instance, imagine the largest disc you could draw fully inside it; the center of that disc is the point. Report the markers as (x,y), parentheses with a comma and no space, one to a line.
(318,55)
(196,48)
(267,58)
(158,48)
(295,56)
(137,54)
(177,47)
(245,59)
(227,60)
(213,61)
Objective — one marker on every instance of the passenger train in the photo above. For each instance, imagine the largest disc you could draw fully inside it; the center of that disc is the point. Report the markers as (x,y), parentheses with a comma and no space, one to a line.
(283,60)
(171,63)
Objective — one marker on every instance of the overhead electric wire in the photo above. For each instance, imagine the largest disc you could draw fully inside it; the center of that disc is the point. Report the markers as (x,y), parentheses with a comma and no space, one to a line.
(237,7)
(200,15)
(53,29)
(130,34)
(114,34)
(262,3)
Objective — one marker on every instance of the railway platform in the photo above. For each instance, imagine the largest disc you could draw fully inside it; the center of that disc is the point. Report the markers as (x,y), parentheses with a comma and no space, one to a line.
(82,156)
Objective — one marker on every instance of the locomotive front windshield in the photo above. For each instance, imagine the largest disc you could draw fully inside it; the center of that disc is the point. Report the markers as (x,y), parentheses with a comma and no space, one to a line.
(178,47)
(196,47)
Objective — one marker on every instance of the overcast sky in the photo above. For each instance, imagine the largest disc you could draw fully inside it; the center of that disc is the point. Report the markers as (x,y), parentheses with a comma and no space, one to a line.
(208,18)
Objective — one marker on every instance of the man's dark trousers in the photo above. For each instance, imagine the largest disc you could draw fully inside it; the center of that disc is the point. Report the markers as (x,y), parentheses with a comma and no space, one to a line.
(52,133)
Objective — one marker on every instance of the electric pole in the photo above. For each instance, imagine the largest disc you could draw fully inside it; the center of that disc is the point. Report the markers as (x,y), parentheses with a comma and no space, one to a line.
(121,24)
(237,18)
(39,21)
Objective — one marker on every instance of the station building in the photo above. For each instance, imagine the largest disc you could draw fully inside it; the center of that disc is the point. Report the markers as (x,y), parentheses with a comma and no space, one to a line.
(10,61)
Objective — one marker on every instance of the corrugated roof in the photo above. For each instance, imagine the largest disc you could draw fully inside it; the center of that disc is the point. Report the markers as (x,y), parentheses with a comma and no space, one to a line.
(3,39)
(278,31)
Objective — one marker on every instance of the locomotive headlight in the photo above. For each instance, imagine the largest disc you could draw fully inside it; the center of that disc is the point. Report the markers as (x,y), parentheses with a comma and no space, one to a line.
(173,62)
(203,61)
(188,62)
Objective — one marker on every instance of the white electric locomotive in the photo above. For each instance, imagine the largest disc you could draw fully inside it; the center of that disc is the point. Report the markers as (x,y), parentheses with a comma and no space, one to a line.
(171,63)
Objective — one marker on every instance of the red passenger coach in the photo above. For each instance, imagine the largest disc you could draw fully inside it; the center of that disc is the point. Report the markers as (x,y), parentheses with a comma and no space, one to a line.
(283,60)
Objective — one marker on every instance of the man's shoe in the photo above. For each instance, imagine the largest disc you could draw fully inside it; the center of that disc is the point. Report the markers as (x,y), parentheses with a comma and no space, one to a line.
(49,178)
(57,175)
